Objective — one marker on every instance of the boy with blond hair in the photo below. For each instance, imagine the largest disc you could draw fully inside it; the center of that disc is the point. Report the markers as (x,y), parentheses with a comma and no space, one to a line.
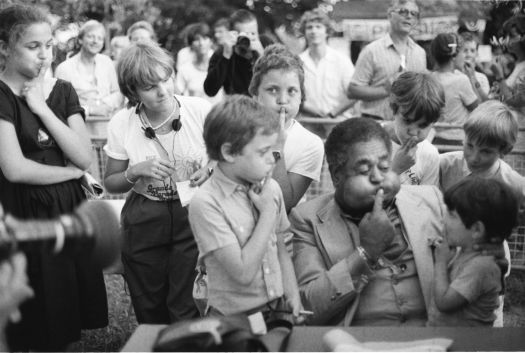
(239,218)
(490,133)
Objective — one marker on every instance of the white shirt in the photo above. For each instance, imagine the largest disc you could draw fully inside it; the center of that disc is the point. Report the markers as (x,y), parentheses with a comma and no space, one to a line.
(104,87)
(426,169)
(303,152)
(190,82)
(326,83)
(126,141)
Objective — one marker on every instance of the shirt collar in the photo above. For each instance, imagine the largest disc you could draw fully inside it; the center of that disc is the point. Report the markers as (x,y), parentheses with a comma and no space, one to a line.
(388,41)
(492,171)
(225,184)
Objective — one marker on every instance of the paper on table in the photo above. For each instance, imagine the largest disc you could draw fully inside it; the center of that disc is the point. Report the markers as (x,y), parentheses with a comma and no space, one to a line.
(337,340)
(186,192)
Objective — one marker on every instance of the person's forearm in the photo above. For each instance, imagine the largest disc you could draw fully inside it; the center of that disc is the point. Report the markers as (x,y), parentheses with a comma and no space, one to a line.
(34,173)
(366,93)
(476,86)
(309,110)
(75,145)
(114,100)
(281,176)
(253,251)
(330,294)
(217,70)
(120,182)
(289,279)
(342,107)
(441,283)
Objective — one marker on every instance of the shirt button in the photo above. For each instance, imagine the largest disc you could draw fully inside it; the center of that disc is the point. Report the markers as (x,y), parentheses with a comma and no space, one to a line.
(272,293)
(267,270)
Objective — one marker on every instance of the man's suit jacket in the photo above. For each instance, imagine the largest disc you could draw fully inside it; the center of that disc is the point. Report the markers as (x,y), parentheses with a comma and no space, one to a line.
(322,243)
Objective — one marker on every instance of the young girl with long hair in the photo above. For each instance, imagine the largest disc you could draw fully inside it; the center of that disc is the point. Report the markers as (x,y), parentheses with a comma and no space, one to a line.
(44,151)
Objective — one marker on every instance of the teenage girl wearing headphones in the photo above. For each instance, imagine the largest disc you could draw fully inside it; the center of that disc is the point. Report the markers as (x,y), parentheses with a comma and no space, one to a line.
(152,147)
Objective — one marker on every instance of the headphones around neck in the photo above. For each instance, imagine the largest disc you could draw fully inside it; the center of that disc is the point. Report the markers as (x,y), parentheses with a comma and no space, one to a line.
(149,132)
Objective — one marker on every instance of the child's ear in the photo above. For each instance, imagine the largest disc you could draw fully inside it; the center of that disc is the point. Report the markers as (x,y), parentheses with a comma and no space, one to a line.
(478,231)
(505,150)
(4,50)
(226,152)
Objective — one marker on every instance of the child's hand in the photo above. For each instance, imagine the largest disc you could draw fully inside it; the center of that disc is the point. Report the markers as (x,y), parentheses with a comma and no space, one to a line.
(469,70)
(262,196)
(405,157)
(442,251)
(33,92)
(156,168)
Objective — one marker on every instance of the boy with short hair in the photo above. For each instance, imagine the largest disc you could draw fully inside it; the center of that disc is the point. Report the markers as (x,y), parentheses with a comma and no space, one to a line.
(466,291)
(490,133)
(416,100)
(238,217)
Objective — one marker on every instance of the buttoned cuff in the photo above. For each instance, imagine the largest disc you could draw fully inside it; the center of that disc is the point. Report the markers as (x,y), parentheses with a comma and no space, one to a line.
(341,280)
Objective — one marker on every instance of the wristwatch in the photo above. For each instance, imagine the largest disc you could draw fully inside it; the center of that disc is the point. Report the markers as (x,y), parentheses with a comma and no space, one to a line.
(366,257)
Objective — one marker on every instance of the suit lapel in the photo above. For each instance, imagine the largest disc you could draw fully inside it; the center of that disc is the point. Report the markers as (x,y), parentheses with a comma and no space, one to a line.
(418,229)
(333,233)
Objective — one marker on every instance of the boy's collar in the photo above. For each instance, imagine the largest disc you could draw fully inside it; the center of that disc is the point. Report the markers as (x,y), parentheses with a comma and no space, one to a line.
(492,171)
(227,185)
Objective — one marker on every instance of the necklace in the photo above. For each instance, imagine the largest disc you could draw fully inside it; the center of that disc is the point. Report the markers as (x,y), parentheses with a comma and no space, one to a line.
(167,119)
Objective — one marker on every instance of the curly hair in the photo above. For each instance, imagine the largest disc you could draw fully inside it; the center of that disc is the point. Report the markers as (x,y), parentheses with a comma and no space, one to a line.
(347,134)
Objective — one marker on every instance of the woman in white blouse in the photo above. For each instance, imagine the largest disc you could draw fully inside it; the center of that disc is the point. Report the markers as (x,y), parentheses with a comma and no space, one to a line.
(92,74)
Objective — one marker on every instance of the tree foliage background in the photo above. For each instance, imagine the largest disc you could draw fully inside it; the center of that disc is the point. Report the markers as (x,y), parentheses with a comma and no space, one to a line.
(169,17)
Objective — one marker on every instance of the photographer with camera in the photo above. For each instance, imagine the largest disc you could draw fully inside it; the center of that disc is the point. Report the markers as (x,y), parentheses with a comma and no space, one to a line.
(231,65)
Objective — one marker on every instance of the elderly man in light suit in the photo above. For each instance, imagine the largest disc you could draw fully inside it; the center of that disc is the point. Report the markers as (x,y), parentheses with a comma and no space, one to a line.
(362,255)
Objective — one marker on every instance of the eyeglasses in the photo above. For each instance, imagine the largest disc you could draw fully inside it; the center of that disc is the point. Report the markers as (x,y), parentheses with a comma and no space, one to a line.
(404,12)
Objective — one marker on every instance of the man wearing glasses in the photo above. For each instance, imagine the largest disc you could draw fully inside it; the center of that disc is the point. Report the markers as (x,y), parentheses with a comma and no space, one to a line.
(382,60)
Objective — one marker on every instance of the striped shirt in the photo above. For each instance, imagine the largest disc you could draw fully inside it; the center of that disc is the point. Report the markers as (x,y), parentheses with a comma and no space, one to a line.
(379,62)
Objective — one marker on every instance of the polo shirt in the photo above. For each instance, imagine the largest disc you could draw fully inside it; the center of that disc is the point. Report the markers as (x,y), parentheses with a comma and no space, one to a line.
(379,62)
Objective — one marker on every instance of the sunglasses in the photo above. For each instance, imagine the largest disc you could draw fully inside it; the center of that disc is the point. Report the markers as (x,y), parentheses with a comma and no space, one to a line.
(406,12)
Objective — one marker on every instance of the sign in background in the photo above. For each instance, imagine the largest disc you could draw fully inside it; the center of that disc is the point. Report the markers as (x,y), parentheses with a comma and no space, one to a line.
(427,28)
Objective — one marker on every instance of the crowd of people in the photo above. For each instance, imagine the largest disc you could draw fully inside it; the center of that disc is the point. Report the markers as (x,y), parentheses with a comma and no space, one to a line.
(409,237)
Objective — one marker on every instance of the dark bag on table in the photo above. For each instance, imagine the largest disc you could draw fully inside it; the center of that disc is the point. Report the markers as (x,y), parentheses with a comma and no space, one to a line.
(221,334)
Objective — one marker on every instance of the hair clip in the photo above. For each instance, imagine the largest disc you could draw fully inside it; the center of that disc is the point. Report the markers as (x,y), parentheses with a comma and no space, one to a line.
(453,47)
